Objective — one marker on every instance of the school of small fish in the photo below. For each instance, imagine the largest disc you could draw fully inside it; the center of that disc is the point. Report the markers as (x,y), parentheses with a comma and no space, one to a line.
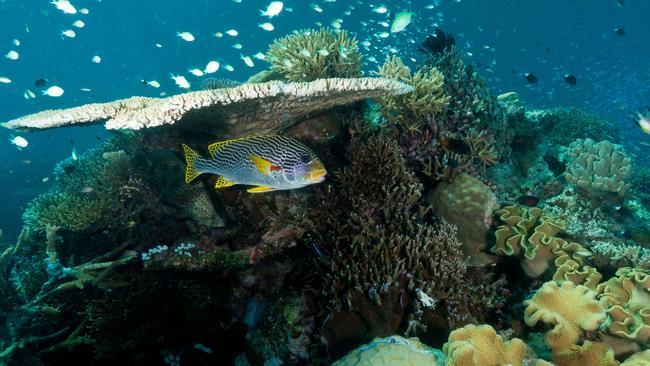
(382,29)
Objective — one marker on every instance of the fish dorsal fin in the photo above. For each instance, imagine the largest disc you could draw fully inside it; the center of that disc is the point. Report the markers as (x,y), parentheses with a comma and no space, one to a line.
(260,189)
(215,147)
(223,182)
(263,166)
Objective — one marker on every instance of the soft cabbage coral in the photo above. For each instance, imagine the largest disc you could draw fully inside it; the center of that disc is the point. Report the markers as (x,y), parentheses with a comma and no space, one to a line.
(599,168)
(532,231)
(627,300)
(638,359)
(474,345)
(315,54)
(394,350)
(467,203)
(427,99)
(589,353)
(569,308)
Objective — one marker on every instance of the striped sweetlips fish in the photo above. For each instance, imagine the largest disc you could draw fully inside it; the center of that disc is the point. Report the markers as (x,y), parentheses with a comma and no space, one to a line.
(267,162)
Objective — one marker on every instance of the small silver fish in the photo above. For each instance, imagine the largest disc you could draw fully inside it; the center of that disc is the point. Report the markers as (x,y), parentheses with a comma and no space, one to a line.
(267,162)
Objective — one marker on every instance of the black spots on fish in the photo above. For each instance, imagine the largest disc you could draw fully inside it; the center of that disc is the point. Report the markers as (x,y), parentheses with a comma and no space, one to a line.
(531,78)
(40,83)
(527,200)
(619,31)
(456,146)
(570,79)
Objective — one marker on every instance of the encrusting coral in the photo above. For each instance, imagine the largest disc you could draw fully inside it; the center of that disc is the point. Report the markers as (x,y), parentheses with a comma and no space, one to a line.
(315,54)
(569,308)
(599,168)
(249,108)
(394,350)
(467,203)
(427,99)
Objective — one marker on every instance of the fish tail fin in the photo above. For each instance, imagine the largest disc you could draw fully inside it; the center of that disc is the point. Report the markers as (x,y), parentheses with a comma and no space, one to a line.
(191,159)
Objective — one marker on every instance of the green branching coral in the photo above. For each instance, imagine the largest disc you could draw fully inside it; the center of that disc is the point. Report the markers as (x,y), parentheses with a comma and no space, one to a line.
(315,54)
(427,99)
(87,192)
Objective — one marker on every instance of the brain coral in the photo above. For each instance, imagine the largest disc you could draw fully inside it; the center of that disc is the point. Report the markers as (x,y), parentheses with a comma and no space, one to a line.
(474,345)
(315,54)
(569,308)
(599,168)
(467,203)
(627,300)
(393,350)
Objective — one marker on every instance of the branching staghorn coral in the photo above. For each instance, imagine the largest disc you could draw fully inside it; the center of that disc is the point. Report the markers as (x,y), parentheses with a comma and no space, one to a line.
(386,264)
(87,191)
(427,99)
(315,54)
(482,147)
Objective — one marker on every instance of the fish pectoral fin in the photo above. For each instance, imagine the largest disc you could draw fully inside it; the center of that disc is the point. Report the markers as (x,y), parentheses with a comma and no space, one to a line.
(223,182)
(263,166)
(260,189)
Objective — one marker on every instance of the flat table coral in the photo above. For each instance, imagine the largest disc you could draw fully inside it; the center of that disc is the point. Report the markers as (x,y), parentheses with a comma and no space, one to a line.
(249,108)
(569,308)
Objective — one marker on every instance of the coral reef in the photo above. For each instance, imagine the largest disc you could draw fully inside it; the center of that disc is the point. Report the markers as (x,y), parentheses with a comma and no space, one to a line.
(599,168)
(467,203)
(122,260)
(386,268)
(315,54)
(562,126)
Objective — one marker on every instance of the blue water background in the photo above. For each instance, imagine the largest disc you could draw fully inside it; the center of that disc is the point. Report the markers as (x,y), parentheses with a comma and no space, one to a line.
(506,38)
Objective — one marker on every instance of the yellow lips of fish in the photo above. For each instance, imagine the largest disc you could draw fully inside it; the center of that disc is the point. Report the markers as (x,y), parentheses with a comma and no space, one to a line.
(316,173)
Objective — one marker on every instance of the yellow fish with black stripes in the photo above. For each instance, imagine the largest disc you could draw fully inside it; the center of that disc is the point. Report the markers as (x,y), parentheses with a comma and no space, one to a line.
(269,163)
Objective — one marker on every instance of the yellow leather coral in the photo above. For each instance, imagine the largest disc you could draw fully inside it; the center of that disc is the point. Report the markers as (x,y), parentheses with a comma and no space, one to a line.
(529,231)
(588,354)
(627,300)
(638,359)
(568,307)
(474,345)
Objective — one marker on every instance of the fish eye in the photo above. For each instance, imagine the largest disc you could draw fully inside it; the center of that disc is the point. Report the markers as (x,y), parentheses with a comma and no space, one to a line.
(304,158)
